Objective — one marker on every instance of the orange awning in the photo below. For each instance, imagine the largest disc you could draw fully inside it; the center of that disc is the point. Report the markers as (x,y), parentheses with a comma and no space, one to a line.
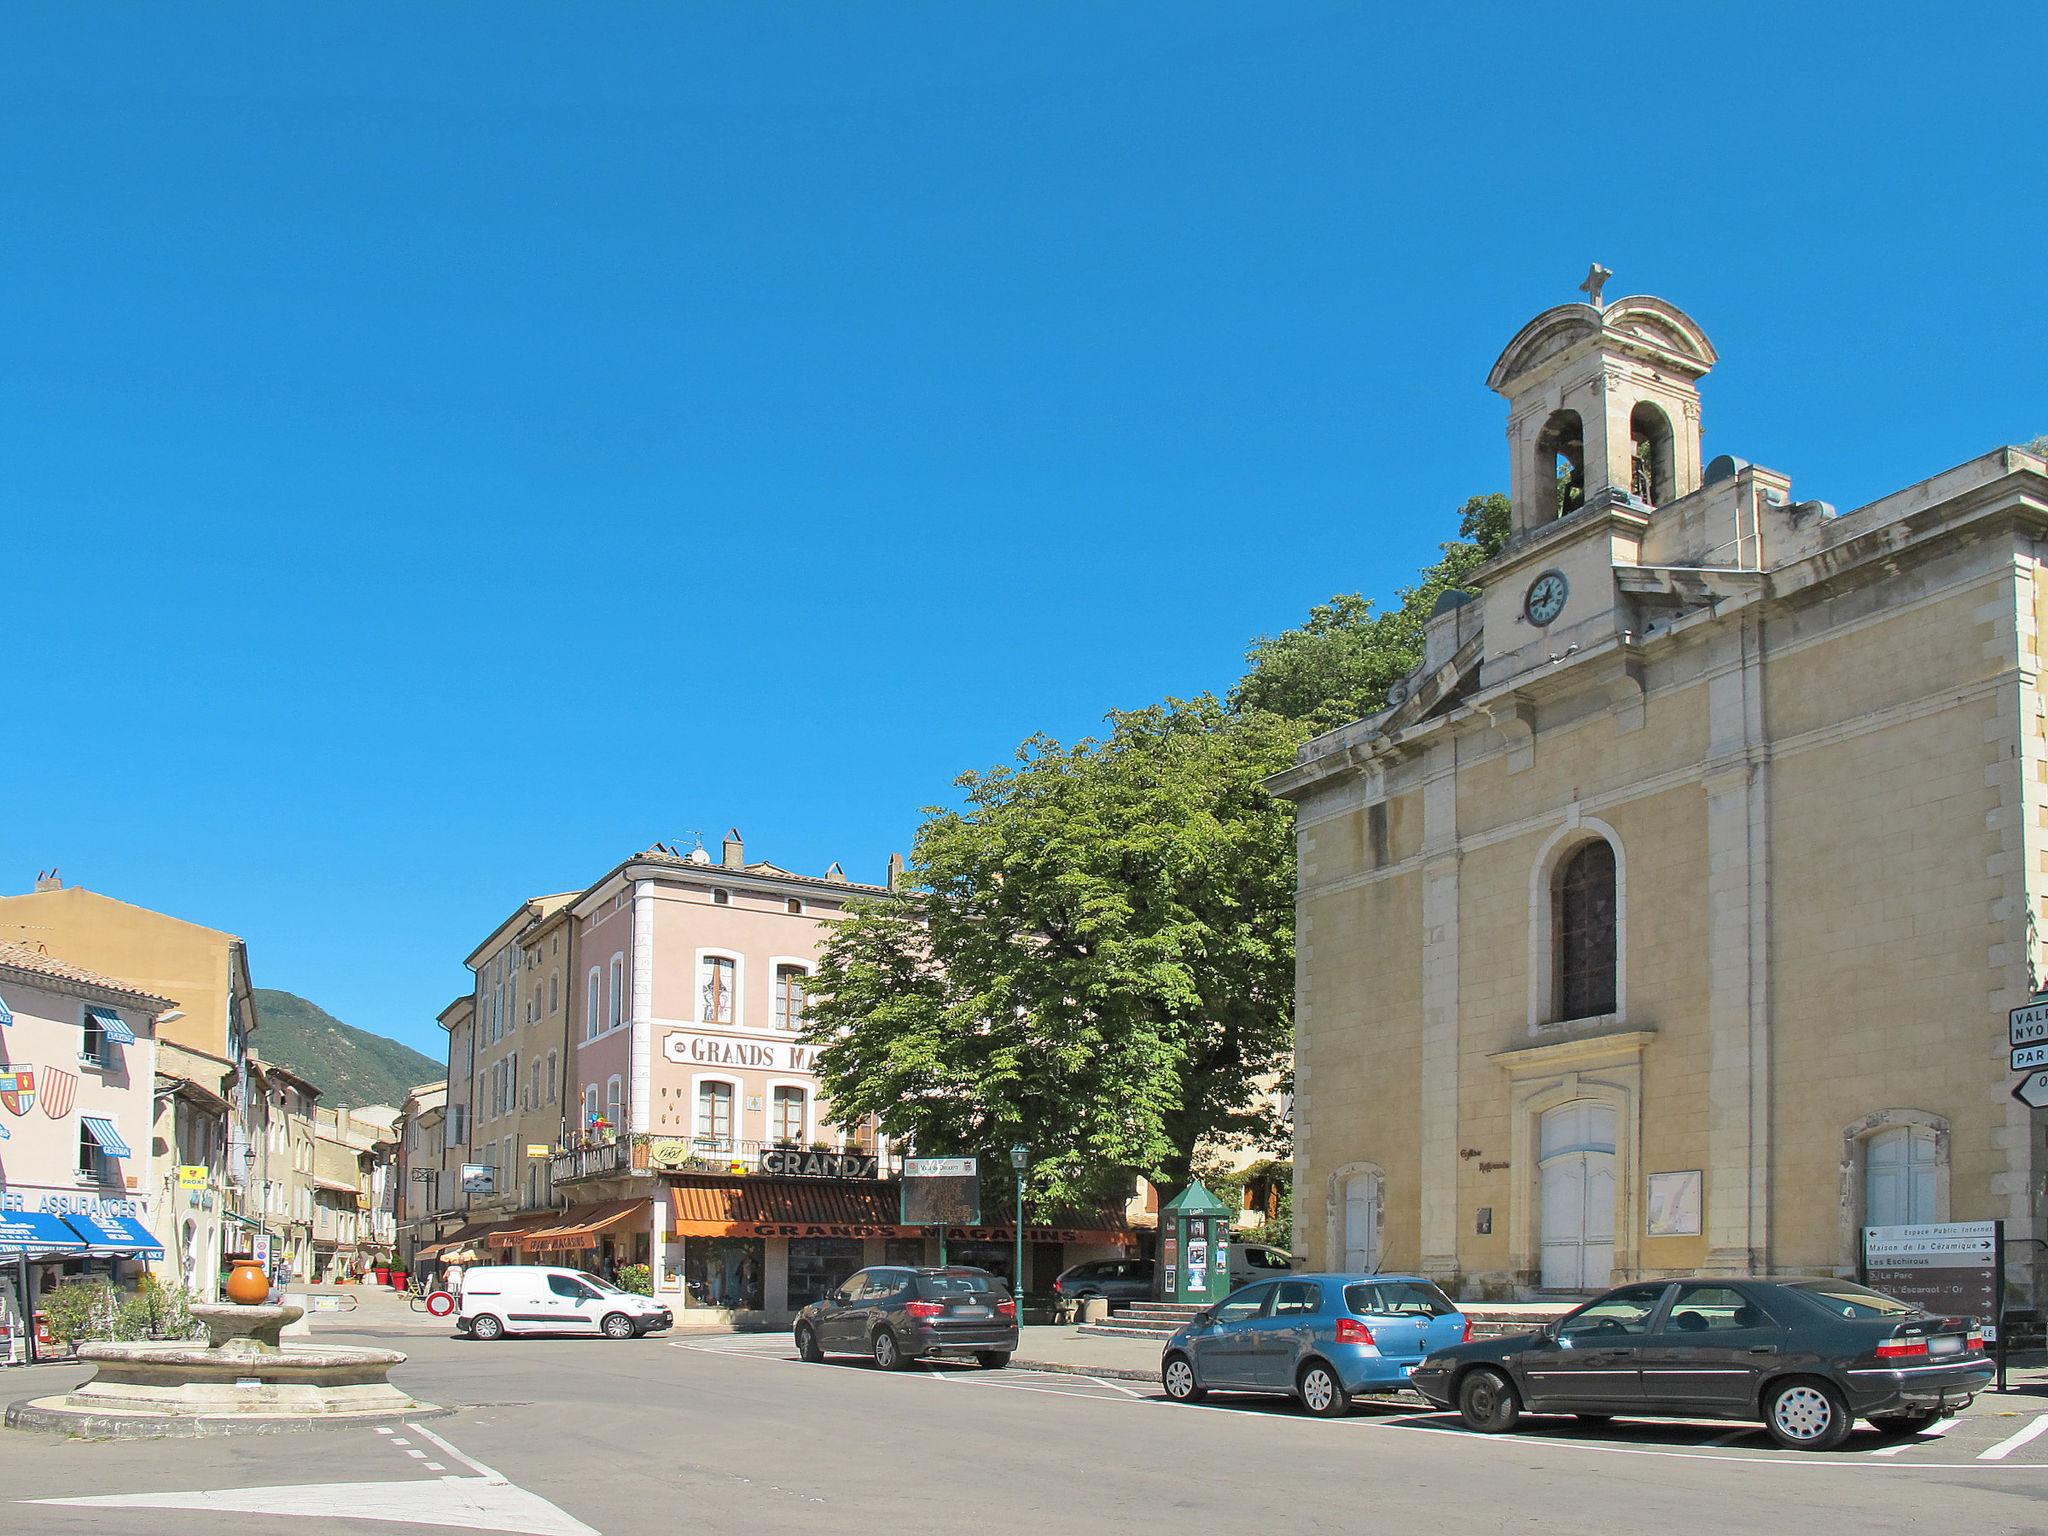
(512,1234)
(769,1207)
(581,1225)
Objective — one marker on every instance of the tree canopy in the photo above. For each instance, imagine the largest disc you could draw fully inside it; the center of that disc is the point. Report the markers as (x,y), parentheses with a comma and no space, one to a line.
(1094,952)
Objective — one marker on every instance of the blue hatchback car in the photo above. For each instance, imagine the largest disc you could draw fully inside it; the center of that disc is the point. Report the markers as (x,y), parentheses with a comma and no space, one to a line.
(1321,1338)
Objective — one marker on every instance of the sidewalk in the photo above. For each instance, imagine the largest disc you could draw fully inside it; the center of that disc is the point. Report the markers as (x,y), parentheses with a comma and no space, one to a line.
(1051,1347)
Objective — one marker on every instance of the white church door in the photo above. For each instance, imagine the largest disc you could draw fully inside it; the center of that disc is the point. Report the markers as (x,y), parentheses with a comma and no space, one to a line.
(1576,1174)
(1361,1224)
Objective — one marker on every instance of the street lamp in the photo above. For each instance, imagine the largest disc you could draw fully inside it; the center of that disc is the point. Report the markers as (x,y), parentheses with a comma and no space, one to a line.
(1020,1159)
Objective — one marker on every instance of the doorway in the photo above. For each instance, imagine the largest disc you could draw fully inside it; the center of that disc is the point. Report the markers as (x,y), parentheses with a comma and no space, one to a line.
(1362,1224)
(1576,1177)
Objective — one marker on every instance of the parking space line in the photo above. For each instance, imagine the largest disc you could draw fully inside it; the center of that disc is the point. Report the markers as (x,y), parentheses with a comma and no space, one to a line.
(2011,1443)
(1116,1387)
(1937,1428)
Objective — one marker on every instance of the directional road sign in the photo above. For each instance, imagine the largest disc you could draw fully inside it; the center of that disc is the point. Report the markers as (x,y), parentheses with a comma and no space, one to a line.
(2032,1090)
(2028,1025)
(2027,1057)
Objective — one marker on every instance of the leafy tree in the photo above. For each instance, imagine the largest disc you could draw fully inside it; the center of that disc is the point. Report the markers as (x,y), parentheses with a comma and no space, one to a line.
(1338,666)
(1096,956)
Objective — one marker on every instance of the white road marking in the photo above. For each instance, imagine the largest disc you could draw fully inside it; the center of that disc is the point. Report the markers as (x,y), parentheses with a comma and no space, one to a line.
(1938,1427)
(401,1441)
(1114,1386)
(2011,1443)
(383,1429)
(435,1466)
(417,1455)
(465,1503)
(454,1455)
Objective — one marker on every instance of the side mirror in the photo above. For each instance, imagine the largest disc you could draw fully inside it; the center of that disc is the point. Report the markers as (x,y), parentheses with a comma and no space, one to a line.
(839,1298)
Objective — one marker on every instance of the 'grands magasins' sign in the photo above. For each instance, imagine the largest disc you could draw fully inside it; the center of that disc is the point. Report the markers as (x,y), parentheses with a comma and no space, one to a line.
(953,1234)
(695,1050)
(793,1162)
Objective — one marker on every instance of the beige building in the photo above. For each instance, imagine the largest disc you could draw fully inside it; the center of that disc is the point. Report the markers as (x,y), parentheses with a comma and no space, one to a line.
(354,1210)
(287,1166)
(1667,919)
(422,1168)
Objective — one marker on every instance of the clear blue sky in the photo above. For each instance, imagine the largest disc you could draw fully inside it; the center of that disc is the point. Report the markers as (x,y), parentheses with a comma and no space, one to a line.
(454,446)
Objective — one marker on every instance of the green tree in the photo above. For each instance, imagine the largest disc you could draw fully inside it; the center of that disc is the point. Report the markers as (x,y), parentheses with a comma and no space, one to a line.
(1095,956)
(1338,666)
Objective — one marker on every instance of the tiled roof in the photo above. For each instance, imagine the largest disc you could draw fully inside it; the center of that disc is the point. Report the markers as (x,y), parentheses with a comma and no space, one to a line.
(27,958)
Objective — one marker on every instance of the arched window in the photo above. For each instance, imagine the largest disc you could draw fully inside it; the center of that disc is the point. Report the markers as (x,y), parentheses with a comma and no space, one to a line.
(551,1078)
(1584,925)
(1561,459)
(1651,476)
(614,1100)
(593,1006)
(721,897)
(796,907)
(589,1105)
(790,981)
(786,1116)
(554,990)
(1898,1177)
(618,1012)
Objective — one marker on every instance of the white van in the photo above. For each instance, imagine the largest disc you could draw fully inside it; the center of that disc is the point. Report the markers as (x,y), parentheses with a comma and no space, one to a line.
(498,1299)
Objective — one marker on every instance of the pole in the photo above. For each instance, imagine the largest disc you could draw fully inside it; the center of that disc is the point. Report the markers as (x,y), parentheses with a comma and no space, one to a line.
(942,1245)
(1017,1275)
(1998,1292)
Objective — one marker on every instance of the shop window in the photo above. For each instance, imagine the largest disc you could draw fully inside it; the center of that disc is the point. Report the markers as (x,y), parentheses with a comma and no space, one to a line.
(819,1265)
(907,1251)
(790,981)
(725,1272)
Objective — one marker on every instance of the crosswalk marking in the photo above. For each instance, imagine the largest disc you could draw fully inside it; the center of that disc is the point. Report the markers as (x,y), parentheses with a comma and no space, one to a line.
(2011,1443)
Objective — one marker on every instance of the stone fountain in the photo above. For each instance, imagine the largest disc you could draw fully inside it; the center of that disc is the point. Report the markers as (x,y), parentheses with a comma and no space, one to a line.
(242,1376)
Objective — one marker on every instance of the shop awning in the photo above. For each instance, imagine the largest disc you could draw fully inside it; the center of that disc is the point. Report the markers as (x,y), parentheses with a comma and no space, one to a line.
(766,1207)
(580,1226)
(511,1234)
(36,1232)
(105,1137)
(116,1235)
(110,1024)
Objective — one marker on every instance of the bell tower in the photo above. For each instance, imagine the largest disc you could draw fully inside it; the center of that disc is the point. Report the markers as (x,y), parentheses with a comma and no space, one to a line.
(1603,406)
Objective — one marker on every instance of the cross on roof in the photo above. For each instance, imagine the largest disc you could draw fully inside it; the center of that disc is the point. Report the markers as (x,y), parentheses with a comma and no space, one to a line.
(1596,279)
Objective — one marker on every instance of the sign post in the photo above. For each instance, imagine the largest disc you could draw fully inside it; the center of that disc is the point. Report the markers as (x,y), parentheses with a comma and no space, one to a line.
(941,1192)
(1954,1268)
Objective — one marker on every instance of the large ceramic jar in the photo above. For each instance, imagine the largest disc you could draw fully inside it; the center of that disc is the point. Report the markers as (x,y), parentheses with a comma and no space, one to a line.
(248,1284)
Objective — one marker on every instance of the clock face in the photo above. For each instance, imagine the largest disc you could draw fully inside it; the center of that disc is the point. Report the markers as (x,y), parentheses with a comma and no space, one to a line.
(1546,597)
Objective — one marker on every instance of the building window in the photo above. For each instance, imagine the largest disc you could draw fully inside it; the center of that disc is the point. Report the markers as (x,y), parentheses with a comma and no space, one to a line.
(786,1117)
(1585,928)
(796,907)
(589,1105)
(789,996)
(614,1100)
(92,1044)
(724,1272)
(714,1114)
(554,991)
(551,1078)
(720,897)
(718,990)
(593,1006)
(1898,1177)
(618,1012)
(1651,480)
(90,1163)
(1561,461)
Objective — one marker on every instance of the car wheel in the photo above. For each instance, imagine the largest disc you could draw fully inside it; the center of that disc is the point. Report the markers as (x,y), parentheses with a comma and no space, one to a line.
(807,1345)
(1488,1402)
(486,1327)
(888,1353)
(1322,1394)
(1806,1414)
(617,1325)
(1178,1377)
(992,1359)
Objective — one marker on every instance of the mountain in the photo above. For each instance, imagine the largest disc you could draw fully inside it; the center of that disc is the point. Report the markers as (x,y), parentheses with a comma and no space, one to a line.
(348,1065)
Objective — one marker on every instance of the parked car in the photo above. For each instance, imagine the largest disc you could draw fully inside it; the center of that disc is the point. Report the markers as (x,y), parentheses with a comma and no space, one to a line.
(1116,1280)
(1321,1338)
(498,1299)
(1807,1357)
(895,1315)
(1258,1261)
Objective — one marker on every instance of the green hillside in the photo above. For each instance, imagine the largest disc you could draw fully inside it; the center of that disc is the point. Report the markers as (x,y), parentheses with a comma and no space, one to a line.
(348,1065)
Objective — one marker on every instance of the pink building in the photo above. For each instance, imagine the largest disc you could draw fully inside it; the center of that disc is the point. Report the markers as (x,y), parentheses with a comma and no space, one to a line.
(77,1079)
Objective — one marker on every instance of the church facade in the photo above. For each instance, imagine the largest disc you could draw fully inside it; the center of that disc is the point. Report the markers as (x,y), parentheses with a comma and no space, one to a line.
(1667,918)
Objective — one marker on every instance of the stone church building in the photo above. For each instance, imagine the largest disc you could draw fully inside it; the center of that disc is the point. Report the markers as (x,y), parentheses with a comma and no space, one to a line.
(1667,918)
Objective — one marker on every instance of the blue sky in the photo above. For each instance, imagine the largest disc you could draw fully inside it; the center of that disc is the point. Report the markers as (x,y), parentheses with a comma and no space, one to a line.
(455,446)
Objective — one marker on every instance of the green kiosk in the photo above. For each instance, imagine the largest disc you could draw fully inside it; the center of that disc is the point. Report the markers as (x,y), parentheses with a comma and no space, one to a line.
(1194,1251)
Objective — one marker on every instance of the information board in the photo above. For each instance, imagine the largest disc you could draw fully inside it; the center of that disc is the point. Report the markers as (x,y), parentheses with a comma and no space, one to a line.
(941,1192)
(1953,1269)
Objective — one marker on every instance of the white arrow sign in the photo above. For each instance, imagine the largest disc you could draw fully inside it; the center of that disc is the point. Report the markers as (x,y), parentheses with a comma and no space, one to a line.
(2032,1090)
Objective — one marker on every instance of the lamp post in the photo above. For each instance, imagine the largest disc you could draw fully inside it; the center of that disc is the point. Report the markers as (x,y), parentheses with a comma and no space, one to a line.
(1020,1159)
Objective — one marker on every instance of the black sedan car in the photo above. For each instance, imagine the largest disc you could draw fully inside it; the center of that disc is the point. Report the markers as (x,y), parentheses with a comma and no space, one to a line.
(1807,1357)
(896,1315)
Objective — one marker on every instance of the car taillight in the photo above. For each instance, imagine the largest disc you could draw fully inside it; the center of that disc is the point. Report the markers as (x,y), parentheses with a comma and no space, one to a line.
(1351,1331)
(1900,1349)
(1974,1339)
(925,1308)
(1467,1338)
(1059,1288)
(1006,1309)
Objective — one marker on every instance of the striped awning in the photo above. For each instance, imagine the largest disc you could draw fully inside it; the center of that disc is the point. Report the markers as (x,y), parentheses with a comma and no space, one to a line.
(105,1137)
(110,1024)
(6,1013)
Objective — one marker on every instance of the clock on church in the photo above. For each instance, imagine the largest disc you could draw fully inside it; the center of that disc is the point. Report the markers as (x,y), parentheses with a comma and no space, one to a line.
(1545,599)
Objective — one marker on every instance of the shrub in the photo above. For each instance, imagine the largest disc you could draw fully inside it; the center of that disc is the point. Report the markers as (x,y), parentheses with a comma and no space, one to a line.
(81,1310)
(638,1279)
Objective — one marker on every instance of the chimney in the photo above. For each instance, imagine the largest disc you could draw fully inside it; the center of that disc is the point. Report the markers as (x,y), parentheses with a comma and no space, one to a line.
(49,880)
(895,871)
(735,850)
(835,875)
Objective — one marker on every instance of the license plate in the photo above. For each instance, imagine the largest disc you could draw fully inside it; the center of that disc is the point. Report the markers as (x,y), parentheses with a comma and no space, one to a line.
(1407,1370)
(1947,1344)
(970,1311)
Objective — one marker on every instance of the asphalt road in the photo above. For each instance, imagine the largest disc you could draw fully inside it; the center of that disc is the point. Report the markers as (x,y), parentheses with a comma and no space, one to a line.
(562,1437)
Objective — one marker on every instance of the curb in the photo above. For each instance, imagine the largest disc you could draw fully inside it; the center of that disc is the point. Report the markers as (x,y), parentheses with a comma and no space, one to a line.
(29,1415)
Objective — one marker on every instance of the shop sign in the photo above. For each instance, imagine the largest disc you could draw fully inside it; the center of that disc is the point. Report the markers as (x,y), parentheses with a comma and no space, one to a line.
(694,1050)
(818,1229)
(479,1178)
(71,1205)
(192,1176)
(794,1162)
(539,1149)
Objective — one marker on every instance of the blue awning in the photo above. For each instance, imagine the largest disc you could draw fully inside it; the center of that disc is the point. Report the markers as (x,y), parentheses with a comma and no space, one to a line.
(110,1024)
(116,1234)
(34,1232)
(105,1136)
(6,1013)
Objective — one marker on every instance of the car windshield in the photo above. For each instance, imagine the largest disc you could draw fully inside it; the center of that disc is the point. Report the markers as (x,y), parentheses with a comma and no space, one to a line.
(603,1285)
(958,1285)
(1410,1298)
(1845,1299)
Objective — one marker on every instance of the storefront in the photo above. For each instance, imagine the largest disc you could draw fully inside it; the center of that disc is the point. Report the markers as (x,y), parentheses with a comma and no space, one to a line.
(40,1250)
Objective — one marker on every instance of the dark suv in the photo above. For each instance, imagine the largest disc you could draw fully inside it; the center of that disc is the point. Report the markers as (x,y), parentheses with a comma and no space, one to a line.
(899,1314)
(1116,1280)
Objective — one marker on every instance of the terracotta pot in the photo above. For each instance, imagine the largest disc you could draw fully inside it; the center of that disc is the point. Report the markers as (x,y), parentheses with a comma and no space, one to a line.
(248,1284)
